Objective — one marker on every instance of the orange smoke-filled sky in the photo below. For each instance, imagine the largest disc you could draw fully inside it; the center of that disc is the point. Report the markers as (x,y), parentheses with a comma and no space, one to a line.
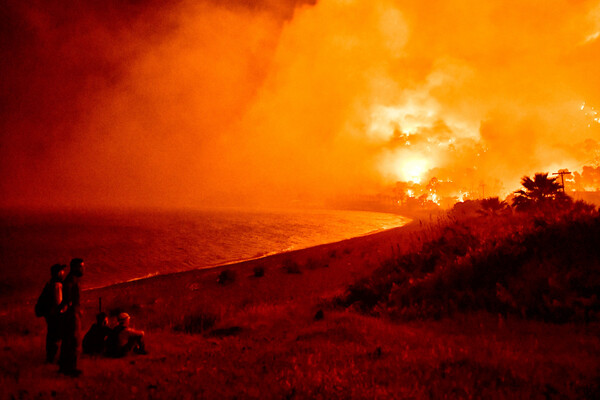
(182,103)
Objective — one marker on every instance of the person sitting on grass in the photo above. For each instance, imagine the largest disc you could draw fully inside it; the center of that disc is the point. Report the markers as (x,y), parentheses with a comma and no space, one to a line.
(124,339)
(94,341)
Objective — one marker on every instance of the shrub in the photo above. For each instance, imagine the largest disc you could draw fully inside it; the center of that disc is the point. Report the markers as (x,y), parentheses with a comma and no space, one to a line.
(364,294)
(542,268)
(291,267)
(311,264)
(226,276)
(259,271)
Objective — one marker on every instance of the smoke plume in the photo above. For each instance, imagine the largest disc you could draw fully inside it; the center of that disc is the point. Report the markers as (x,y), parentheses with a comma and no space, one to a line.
(181,103)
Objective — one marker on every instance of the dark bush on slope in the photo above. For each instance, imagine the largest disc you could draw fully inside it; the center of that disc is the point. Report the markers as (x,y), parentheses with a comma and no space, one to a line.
(543,268)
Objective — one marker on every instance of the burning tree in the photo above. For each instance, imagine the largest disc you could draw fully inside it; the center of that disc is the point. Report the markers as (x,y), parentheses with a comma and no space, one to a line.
(539,192)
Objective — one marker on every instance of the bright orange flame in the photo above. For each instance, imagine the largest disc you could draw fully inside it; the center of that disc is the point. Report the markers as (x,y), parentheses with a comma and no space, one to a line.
(434,198)
(462,196)
(411,169)
(405,166)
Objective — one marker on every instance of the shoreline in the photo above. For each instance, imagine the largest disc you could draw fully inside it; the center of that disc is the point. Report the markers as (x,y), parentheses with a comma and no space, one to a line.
(23,287)
(345,261)
(323,271)
(267,257)
(234,263)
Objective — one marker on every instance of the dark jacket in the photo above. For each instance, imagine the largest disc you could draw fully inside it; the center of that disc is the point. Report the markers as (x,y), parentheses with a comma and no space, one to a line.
(94,341)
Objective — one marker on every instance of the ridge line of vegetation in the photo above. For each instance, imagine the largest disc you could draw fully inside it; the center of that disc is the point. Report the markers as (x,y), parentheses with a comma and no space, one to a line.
(539,259)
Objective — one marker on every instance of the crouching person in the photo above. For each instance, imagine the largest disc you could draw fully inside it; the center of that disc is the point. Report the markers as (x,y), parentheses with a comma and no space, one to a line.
(124,339)
(94,341)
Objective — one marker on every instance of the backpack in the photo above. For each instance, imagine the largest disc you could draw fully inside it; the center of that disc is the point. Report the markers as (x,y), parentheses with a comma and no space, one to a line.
(44,302)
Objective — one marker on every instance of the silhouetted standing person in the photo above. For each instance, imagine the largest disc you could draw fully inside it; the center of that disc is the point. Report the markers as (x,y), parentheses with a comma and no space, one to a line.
(71,320)
(54,297)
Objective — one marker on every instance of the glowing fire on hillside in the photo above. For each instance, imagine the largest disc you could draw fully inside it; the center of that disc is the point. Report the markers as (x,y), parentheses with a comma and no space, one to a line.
(416,158)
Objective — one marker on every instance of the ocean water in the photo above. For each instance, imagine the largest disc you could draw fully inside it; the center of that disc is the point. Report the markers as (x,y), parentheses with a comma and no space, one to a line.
(123,246)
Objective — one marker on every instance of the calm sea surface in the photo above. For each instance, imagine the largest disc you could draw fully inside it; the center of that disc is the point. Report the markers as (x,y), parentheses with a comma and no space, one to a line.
(122,246)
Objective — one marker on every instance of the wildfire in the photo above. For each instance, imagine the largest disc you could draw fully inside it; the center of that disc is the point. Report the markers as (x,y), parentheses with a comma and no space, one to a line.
(591,112)
(462,196)
(386,121)
(411,169)
(434,198)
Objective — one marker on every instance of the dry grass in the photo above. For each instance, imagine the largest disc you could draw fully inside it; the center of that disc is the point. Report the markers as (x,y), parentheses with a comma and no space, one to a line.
(280,354)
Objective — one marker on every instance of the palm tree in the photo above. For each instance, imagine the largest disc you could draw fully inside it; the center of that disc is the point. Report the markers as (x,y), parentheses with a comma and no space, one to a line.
(539,192)
(492,206)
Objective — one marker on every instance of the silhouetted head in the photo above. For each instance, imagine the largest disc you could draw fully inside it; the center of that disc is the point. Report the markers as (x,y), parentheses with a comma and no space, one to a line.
(101,318)
(123,319)
(57,271)
(77,267)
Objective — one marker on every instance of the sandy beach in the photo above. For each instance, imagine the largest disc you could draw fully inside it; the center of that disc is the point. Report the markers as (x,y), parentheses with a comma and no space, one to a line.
(322,271)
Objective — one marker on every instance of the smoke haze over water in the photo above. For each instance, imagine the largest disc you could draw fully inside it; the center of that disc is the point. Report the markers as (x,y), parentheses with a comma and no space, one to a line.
(181,103)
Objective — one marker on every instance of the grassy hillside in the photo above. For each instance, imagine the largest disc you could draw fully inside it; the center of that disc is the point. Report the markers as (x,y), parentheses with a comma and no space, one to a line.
(544,267)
